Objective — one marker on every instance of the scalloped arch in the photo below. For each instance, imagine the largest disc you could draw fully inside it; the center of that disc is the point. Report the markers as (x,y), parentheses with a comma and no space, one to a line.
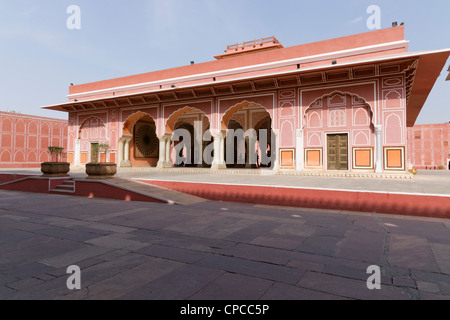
(131,120)
(172,119)
(228,114)
(372,113)
(84,122)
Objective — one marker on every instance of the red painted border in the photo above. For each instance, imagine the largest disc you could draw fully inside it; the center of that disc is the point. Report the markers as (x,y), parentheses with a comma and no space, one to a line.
(89,189)
(402,204)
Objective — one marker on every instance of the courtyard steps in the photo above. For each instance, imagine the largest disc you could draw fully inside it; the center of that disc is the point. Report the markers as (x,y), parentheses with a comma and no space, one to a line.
(68,186)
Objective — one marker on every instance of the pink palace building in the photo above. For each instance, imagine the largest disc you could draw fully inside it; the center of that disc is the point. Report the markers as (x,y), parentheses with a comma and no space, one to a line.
(428,146)
(339,105)
(24,139)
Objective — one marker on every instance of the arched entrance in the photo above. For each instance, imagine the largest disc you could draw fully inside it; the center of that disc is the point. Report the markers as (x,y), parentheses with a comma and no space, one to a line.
(91,134)
(249,137)
(339,134)
(140,144)
(188,128)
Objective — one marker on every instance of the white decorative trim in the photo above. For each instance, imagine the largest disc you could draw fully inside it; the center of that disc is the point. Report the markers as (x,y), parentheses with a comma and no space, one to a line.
(259,67)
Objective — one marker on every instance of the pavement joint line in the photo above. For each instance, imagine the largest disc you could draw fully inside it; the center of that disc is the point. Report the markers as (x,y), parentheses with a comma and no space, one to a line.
(295,187)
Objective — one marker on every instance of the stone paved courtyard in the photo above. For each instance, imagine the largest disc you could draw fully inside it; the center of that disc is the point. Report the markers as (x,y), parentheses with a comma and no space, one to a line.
(214,250)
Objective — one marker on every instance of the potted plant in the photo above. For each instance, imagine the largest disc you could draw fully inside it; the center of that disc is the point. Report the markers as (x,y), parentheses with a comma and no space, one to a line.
(55,168)
(99,168)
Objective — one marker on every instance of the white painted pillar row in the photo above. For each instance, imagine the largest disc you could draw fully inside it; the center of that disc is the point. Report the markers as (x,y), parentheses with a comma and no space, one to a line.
(219,152)
(162,151)
(77,153)
(378,149)
(299,150)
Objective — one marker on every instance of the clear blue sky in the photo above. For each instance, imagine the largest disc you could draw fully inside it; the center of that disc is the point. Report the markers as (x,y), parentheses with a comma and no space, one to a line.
(40,56)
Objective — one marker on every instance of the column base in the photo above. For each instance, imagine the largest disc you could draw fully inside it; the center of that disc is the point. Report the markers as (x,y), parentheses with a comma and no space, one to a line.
(218,166)
(164,164)
(125,164)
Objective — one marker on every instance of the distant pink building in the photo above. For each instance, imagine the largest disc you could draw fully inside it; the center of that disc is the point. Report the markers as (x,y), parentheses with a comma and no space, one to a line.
(336,105)
(24,139)
(428,146)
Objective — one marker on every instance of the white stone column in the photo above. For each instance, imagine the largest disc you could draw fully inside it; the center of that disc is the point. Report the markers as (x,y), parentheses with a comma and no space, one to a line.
(276,161)
(164,152)
(299,150)
(126,153)
(219,152)
(77,153)
(378,149)
(120,153)
(168,163)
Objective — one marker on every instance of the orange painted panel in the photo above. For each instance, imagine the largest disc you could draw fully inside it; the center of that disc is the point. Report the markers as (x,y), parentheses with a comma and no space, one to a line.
(112,157)
(313,158)
(84,157)
(287,158)
(363,158)
(394,158)
(70,158)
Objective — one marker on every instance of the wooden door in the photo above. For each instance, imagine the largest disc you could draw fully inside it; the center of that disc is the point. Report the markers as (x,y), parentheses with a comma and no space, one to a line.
(337,145)
(94,152)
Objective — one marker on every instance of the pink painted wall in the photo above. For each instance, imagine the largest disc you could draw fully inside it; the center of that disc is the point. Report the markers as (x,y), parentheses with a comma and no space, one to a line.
(24,139)
(428,146)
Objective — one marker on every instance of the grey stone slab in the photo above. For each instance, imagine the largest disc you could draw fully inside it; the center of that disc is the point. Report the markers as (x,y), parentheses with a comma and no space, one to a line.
(68,234)
(444,288)
(295,230)
(428,286)
(72,257)
(411,252)
(126,281)
(258,253)
(404,282)
(180,284)
(278,242)
(362,245)
(337,232)
(6,292)
(24,283)
(350,288)
(65,222)
(113,215)
(216,227)
(322,245)
(306,266)
(111,227)
(427,276)
(101,271)
(27,270)
(170,253)
(282,291)
(442,254)
(12,217)
(433,296)
(252,231)
(229,287)
(253,268)
(357,271)
(14,235)
(112,242)
(34,249)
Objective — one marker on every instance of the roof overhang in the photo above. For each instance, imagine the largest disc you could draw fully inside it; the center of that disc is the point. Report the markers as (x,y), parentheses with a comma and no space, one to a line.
(429,67)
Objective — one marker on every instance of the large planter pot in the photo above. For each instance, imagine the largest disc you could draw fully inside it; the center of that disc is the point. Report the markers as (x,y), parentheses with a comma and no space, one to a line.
(101,170)
(55,169)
